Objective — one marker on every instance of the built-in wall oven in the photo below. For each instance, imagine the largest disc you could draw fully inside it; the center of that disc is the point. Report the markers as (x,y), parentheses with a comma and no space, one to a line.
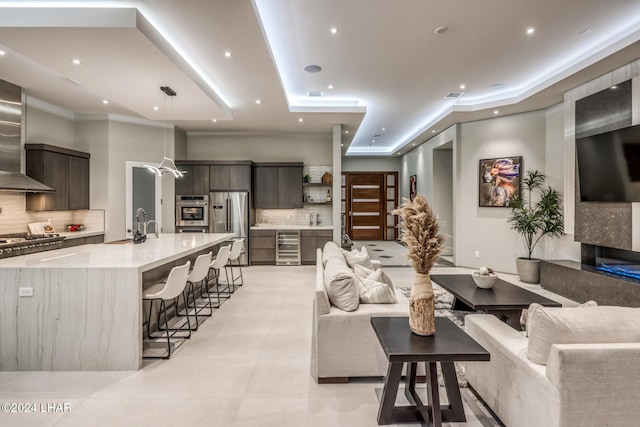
(192,211)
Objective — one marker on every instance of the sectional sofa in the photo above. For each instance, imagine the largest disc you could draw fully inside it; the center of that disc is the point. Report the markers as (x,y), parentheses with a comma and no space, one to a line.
(574,367)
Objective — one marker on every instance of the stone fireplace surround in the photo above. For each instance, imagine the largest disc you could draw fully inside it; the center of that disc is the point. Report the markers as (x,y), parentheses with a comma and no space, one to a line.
(591,109)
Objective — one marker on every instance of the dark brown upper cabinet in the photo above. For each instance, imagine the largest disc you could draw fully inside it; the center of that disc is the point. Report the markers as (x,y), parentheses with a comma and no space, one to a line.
(230,177)
(64,170)
(195,181)
(277,185)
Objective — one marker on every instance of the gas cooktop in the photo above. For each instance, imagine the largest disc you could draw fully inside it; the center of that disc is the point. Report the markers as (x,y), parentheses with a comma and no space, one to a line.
(22,244)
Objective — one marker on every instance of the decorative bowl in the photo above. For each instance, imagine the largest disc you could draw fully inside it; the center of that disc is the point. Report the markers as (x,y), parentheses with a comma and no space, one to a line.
(484,281)
(75,227)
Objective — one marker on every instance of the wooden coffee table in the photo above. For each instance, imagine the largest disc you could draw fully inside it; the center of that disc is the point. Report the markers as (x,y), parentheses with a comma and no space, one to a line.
(450,343)
(504,300)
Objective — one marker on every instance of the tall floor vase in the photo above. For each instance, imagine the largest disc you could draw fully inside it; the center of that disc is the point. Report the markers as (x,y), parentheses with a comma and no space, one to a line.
(422,306)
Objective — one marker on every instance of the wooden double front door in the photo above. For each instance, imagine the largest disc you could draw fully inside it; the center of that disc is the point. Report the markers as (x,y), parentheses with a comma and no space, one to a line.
(368,199)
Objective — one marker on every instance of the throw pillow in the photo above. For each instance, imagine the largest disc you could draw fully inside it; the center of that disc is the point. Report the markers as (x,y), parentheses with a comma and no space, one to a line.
(524,317)
(373,289)
(358,257)
(365,272)
(331,250)
(340,283)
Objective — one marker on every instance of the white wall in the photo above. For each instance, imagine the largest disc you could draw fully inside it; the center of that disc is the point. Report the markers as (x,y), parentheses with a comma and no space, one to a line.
(311,149)
(486,229)
(443,194)
(49,124)
(140,143)
(371,164)
(419,161)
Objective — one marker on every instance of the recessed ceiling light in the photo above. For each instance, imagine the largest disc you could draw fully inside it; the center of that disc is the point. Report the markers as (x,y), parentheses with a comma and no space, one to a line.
(373,140)
(76,61)
(414,144)
(227,54)
(313,68)
(258,101)
(2,53)
(341,145)
(531,30)
(433,131)
(440,30)
(156,108)
(346,131)
(330,86)
(496,112)
(384,129)
(105,102)
(334,30)
(214,120)
(300,120)
(463,86)
(614,87)
(399,153)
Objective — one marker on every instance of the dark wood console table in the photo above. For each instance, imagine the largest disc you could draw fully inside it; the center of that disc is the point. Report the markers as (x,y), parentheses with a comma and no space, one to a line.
(504,300)
(400,345)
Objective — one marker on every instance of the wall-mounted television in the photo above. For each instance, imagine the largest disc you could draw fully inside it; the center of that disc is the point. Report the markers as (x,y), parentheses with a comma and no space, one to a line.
(609,166)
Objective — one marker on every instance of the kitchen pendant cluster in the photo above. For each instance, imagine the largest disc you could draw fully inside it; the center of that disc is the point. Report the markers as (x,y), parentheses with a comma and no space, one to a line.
(167,165)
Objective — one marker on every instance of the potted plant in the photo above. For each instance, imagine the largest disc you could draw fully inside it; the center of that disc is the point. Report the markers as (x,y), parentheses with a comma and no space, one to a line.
(535,221)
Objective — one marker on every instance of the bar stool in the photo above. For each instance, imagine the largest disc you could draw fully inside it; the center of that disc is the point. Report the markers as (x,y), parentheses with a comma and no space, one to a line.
(237,249)
(170,290)
(217,265)
(198,275)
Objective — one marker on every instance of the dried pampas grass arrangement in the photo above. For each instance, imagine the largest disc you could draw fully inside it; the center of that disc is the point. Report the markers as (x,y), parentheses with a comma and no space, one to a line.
(420,231)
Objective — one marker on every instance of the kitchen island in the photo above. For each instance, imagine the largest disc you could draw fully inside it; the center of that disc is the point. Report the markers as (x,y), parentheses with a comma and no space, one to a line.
(85,312)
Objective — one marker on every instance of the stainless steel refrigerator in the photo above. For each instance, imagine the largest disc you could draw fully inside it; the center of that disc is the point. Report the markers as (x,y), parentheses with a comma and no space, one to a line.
(230,214)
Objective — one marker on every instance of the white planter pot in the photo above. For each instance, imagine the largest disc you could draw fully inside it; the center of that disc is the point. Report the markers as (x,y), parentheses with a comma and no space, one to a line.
(528,270)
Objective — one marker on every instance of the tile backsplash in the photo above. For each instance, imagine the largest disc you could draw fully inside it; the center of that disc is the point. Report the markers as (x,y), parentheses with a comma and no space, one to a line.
(294,216)
(14,218)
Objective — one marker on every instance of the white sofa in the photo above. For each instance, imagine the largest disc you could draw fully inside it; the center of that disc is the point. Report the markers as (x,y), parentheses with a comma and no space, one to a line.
(585,382)
(343,342)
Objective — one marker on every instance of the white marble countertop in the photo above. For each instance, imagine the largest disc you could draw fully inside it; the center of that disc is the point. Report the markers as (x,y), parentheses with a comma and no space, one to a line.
(144,256)
(78,234)
(291,227)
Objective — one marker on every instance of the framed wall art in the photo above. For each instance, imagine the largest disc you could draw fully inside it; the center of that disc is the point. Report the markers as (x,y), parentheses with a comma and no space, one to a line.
(412,187)
(499,181)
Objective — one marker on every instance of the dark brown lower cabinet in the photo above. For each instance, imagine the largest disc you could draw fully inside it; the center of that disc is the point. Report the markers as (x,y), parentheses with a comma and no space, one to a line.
(262,247)
(310,241)
(79,241)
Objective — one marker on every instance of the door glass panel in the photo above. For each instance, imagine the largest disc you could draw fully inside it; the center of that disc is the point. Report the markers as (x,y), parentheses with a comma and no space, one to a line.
(390,206)
(144,195)
(391,179)
(391,193)
(390,220)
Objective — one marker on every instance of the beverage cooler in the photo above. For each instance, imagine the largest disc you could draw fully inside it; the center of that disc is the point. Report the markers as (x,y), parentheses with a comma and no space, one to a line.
(288,247)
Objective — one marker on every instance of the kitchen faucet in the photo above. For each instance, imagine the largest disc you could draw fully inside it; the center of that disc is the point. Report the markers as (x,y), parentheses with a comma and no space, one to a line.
(317,220)
(146,224)
(139,212)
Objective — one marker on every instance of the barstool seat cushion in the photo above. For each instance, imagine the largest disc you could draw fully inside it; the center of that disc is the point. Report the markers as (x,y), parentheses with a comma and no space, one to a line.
(151,291)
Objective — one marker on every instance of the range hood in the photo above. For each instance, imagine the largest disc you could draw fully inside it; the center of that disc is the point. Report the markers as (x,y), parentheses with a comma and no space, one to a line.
(12,177)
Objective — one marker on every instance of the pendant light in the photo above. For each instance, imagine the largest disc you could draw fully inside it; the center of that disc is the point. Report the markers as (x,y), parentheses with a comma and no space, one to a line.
(167,165)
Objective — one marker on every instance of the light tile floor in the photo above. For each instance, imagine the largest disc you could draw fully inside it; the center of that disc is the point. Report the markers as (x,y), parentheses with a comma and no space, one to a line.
(248,365)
